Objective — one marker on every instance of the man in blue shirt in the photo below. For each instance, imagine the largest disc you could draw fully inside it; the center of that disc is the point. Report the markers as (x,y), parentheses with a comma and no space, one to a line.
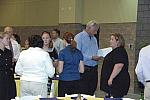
(87,44)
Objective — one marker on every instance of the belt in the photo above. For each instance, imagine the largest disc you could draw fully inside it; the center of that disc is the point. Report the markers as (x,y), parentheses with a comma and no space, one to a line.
(90,68)
(148,81)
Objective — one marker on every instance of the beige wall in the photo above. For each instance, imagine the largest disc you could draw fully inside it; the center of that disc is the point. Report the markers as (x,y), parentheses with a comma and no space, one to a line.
(67,11)
(110,11)
(29,12)
(52,12)
(70,11)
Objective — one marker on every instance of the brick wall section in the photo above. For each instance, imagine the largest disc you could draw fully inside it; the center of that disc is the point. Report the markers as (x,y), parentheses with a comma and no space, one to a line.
(143,24)
(143,29)
(127,29)
(26,31)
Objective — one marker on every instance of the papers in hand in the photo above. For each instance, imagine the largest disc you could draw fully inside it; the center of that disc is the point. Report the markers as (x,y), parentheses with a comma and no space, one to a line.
(103,52)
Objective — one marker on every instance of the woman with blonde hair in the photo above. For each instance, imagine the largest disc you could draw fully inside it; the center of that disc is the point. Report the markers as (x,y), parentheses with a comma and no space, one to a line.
(7,83)
(115,79)
(70,66)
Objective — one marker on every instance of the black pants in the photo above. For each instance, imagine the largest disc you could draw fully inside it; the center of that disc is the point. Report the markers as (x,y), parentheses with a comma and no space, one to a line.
(7,86)
(89,80)
(68,87)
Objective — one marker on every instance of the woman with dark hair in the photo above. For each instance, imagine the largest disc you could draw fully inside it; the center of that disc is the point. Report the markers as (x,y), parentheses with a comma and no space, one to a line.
(70,66)
(115,79)
(48,47)
(7,83)
(34,66)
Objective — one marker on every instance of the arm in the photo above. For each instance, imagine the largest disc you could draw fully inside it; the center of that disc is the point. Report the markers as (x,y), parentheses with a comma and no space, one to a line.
(81,67)
(60,62)
(49,69)
(139,70)
(115,72)
(60,66)
(79,42)
(55,58)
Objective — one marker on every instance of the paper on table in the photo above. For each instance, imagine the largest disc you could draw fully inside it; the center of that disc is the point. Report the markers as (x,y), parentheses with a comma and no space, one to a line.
(103,52)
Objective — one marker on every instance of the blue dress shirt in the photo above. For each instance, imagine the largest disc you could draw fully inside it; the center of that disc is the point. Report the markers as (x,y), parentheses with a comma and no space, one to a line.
(88,46)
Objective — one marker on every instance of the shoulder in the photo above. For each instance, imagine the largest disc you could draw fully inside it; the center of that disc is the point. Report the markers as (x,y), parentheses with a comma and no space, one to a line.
(146,48)
(80,34)
(120,51)
(14,42)
(63,50)
(58,40)
(24,52)
(43,52)
(144,51)
(78,51)
(7,50)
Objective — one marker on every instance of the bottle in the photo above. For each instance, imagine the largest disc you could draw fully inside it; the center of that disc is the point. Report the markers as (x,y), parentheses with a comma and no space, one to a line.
(79,97)
(52,90)
(51,95)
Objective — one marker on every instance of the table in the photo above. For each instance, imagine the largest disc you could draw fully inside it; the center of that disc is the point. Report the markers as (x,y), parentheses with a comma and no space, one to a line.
(88,98)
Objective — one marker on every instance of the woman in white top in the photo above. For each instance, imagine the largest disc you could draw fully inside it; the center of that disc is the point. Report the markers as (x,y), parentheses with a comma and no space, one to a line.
(34,66)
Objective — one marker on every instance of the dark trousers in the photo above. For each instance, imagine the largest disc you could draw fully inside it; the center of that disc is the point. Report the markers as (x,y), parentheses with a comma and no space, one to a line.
(68,87)
(7,86)
(89,80)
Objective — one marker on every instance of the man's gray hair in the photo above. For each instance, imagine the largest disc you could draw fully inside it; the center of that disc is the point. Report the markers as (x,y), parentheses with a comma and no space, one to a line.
(92,23)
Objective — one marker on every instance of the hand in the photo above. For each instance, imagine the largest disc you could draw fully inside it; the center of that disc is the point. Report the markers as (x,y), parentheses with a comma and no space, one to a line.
(110,81)
(96,58)
(55,63)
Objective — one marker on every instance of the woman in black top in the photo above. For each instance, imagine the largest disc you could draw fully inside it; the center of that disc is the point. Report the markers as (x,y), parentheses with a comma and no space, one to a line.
(115,79)
(7,83)
(48,47)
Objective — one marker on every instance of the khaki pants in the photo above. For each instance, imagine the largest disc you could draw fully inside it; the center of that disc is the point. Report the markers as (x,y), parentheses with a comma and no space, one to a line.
(147,91)
(28,88)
